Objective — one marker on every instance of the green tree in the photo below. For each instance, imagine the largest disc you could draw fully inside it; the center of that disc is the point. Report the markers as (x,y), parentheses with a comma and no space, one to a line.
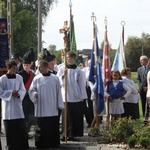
(32,5)
(52,48)
(58,56)
(112,55)
(25,35)
(134,48)
(25,22)
(4,10)
(57,53)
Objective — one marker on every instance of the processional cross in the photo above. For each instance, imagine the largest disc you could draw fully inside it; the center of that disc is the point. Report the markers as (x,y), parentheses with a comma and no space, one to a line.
(65,30)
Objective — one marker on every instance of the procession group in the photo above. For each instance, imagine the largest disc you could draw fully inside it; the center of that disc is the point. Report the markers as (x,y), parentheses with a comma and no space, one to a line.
(36,97)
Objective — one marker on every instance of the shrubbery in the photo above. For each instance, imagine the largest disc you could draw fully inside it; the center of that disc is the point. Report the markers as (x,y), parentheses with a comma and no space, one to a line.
(128,131)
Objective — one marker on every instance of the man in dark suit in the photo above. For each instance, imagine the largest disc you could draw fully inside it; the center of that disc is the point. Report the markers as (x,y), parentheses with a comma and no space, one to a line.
(142,80)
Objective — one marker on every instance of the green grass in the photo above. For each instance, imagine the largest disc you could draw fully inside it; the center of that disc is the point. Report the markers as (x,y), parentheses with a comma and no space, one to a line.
(140,110)
(134,78)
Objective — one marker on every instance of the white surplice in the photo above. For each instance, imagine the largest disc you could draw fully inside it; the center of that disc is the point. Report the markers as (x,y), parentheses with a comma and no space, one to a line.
(49,95)
(76,84)
(11,106)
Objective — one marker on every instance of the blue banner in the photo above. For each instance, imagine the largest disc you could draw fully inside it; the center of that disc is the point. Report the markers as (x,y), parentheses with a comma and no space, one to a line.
(100,87)
(4,51)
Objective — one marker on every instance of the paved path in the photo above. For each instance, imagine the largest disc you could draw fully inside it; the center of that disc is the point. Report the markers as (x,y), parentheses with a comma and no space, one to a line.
(80,143)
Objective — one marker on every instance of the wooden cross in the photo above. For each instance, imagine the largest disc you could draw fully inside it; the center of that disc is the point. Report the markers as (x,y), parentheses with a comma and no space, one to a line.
(65,30)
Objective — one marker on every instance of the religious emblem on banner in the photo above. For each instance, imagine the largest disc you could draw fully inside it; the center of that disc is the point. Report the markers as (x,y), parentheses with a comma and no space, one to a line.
(4,51)
(3,27)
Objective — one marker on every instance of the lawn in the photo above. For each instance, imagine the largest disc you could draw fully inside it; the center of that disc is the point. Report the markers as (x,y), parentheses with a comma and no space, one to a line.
(134,78)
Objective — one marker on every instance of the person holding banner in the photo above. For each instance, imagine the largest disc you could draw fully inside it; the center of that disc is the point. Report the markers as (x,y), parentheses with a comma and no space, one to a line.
(28,106)
(76,92)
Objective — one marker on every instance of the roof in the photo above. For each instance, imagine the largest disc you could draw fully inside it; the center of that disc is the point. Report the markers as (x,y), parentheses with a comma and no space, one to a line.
(87,52)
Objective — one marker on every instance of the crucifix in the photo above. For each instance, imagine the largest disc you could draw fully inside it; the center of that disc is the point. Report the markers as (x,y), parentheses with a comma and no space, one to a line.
(65,30)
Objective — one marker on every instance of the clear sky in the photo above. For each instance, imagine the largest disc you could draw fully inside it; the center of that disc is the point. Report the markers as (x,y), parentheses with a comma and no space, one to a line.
(136,14)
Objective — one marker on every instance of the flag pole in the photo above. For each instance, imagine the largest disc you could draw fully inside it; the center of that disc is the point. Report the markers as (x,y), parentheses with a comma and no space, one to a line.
(106,76)
(72,41)
(93,17)
(65,30)
(106,73)
(123,54)
(70,5)
(10,25)
(123,24)
(39,26)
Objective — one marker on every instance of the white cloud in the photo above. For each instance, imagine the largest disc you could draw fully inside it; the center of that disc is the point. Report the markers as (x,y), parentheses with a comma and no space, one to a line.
(134,12)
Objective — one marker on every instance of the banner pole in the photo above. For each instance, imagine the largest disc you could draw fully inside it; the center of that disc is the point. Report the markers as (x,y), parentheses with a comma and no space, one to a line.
(65,30)
(93,17)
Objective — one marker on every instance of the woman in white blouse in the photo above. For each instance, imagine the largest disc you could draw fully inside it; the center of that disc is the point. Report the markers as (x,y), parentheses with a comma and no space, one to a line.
(131,106)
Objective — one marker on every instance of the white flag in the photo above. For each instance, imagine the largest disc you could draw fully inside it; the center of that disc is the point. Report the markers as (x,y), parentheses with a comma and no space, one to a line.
(119,61)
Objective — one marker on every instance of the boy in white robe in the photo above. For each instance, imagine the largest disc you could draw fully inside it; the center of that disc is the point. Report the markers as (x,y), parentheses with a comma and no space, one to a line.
(76,92)
(46,95)
(12,92)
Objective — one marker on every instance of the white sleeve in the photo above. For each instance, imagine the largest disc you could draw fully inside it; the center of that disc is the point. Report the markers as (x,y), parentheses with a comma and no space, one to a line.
(82,85)
(33,90)
(21,90)
(59,75)
(59,96)
(4,94)
(127,89)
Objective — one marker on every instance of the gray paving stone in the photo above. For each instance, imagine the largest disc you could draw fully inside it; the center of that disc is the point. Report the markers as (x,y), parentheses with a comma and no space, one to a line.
(80,143)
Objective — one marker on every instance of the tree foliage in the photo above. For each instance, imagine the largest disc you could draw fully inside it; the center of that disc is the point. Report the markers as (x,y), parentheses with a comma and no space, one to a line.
(25,22)
(57,53)
(134,48)
(52,48)
(112,55)
(25,35)
(3,6)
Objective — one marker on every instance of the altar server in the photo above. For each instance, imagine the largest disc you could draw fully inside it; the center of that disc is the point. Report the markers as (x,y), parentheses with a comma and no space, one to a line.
(12,92)
(46,94)
(28,106)
(76,92)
